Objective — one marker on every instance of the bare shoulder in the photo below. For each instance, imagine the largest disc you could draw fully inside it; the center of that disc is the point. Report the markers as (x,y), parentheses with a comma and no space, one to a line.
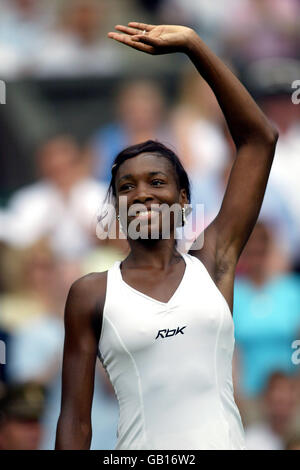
(88,292)
(84,308)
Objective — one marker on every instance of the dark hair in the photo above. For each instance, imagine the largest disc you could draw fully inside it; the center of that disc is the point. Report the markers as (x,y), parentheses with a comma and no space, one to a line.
(159,149)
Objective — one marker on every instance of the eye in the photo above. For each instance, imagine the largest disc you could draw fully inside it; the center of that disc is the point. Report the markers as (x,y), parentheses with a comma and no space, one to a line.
(126,187)
(157,182)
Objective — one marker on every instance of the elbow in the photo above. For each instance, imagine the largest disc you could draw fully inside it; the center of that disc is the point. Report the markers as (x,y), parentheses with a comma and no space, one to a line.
(266,137)
(263,136)
(272,135)
(268,132)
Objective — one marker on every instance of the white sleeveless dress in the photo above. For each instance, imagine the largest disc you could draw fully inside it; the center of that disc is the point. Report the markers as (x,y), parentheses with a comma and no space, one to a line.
(170,364)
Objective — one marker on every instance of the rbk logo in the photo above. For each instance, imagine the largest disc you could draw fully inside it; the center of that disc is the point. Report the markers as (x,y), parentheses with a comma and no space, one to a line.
(168,333)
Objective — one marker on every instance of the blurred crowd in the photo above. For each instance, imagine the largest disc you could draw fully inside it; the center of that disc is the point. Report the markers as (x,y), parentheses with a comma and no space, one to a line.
(48,235)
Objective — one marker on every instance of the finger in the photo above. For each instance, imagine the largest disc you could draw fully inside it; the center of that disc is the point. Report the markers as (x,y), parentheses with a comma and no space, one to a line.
(142,26)
(125,39)
(145,39)
(126,29)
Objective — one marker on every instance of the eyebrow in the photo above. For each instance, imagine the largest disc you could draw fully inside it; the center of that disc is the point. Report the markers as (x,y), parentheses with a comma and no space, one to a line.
(151,173)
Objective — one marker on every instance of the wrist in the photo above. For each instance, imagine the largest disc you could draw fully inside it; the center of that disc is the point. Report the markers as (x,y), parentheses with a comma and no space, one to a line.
(193,42)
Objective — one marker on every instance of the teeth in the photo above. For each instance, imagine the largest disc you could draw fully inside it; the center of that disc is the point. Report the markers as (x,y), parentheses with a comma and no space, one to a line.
(144,213)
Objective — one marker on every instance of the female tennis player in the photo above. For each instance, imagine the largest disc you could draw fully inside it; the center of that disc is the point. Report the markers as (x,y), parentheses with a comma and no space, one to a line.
(160,321)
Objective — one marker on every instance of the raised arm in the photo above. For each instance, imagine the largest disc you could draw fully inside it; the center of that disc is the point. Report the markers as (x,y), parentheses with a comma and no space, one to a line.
(255,139)
(83,318)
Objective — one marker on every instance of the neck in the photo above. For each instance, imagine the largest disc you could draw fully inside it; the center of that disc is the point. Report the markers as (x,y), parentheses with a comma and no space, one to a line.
(156,253)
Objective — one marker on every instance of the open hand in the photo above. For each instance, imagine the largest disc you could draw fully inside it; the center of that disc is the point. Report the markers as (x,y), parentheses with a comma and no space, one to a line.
(155,40)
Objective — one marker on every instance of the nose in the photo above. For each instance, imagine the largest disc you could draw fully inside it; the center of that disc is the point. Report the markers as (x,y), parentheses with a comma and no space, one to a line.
(142,194)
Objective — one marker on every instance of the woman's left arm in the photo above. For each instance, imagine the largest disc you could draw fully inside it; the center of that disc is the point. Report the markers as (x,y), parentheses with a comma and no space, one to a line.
(255,140)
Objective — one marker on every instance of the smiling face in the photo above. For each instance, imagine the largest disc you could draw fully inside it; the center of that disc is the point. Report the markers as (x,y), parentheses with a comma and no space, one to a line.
(149,181)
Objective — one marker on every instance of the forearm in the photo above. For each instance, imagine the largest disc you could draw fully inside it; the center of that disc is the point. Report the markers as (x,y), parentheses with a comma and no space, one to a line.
(72,434)
(245,120)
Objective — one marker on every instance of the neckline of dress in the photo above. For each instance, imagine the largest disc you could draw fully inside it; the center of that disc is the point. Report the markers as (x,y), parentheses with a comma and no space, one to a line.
(185,258)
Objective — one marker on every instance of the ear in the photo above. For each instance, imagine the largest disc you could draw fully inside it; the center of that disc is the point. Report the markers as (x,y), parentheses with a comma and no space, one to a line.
(183,197)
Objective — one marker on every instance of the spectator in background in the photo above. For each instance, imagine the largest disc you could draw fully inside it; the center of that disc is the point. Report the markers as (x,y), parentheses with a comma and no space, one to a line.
(79,48)
(23,25)
(278,415)
(30,285)
(197,122)
(139,117)
(293,443)
(4,339)
(10,64)
(36,355)
(266,314)
(62,205)
(204,16)
(286,169)
(151,6)
(259,29)
(21,408)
